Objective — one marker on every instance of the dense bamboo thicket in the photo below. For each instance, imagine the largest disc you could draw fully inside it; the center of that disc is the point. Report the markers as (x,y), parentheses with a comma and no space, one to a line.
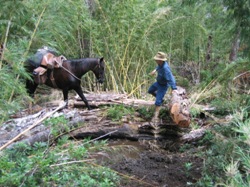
(207,43)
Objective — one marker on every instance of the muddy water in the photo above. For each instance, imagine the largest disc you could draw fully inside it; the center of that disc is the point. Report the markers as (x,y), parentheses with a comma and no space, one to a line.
(119,150)
(144,164)
(132,148)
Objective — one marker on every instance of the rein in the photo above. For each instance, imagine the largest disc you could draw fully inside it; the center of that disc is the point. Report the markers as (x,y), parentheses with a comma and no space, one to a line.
(70,72)
(98,65)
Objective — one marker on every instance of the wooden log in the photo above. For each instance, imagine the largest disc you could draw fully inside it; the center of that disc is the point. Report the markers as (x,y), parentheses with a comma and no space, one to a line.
(96,100)
(179,108)
(32,126)
(95,124)
(194,135)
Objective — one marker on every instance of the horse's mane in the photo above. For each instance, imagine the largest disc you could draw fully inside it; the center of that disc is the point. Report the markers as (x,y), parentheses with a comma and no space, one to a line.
(76,63)
(80,60)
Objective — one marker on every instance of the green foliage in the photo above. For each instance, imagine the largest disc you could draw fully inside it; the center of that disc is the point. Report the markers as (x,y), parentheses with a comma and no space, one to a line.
(164,114)
(58,125)
(195,112)
(183,82)
(116,112)
(185,147)
(40,165)
(223,87)
(207,139)
(13,93)
(66,164)
(214,69)
(188,166)
(146,112)
(239,10)
(227,159)
(127,34)
(223,107)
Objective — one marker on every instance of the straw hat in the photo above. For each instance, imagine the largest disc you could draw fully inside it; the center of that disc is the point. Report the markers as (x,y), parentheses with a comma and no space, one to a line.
(160,56)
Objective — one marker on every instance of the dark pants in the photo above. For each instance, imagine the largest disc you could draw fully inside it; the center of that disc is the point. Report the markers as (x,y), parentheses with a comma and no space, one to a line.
(158,91)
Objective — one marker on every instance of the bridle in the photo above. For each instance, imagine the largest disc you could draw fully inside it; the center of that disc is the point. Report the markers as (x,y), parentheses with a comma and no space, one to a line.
(98,65)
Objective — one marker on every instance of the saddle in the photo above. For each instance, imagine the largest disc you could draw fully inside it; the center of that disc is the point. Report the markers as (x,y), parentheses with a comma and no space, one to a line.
(46,68)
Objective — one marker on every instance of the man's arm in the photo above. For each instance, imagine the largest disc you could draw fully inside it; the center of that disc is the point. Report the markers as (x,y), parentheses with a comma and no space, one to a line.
(153,72)
(170,78)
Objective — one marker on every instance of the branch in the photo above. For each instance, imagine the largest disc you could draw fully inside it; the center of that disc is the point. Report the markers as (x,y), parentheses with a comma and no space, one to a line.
(32,126)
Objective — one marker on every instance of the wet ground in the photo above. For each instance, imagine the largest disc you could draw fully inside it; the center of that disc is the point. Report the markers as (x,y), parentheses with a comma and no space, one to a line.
(142,164)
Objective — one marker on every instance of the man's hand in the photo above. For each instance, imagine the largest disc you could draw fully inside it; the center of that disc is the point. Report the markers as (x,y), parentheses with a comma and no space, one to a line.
(175,91)
(153,72)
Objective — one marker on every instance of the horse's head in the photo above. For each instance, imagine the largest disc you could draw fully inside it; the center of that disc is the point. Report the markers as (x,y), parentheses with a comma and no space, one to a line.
(99,70)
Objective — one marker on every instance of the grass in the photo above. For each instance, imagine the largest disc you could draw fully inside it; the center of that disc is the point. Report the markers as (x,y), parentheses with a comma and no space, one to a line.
(66,163)
(116,112)
(227,157)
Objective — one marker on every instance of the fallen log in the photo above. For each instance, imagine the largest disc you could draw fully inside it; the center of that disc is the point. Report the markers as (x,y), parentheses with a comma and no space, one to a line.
(94,123)
(179,108)
(32,126)
(194,135)
(178,105)
(101,99)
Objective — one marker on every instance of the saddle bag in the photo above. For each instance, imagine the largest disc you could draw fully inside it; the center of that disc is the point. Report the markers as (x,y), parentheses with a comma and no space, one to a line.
(40,75)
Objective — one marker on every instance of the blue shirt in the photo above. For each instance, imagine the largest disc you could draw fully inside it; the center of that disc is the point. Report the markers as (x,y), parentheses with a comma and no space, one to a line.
(165,76)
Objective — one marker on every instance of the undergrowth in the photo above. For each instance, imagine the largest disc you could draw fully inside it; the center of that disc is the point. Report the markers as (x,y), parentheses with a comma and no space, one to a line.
(66,163)
(146,112)
(116,112)
(227,157)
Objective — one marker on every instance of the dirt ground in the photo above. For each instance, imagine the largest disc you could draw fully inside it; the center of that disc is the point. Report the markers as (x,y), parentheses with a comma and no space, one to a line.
(149,166)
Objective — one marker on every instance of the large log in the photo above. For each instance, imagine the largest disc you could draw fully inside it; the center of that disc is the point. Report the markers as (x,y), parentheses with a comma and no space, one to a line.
(179,108)
(95,124)
(100,99)
(178,105)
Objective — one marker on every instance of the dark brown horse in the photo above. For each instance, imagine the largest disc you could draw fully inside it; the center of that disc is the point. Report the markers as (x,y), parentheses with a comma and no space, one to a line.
(68,77)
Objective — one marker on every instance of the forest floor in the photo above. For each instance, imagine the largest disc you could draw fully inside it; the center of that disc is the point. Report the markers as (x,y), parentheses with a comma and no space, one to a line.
(147,161)
(151,167)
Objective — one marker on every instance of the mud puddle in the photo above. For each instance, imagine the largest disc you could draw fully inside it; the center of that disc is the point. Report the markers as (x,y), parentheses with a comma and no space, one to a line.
(142,164)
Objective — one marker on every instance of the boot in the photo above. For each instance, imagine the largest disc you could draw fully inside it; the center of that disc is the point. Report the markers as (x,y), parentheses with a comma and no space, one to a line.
(156,120)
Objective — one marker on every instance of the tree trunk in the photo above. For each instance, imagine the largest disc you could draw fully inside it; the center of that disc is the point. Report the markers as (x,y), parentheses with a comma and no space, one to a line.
(235,47)
(179,108)
(209,49)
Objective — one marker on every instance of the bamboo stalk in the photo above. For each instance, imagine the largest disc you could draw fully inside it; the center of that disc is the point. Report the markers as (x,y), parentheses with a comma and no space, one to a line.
(32,126)
(25,54)
(5,41)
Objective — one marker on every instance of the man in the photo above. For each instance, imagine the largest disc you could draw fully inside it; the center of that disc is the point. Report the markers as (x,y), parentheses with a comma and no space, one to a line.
(164,80)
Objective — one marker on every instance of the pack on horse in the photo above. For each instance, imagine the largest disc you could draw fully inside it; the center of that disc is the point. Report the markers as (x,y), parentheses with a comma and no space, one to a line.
(58,72)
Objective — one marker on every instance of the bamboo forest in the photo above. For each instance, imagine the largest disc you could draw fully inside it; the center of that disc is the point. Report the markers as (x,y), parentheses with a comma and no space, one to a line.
(125,93)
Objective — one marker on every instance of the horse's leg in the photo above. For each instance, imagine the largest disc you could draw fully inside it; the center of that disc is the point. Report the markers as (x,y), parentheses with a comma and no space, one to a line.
(65,96)
(80,93)
(31,87)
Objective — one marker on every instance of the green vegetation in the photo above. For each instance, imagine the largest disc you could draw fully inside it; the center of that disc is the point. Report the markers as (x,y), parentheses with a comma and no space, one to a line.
(227,158)
(66,164)
(207,43)
(116,112)
(146,112)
